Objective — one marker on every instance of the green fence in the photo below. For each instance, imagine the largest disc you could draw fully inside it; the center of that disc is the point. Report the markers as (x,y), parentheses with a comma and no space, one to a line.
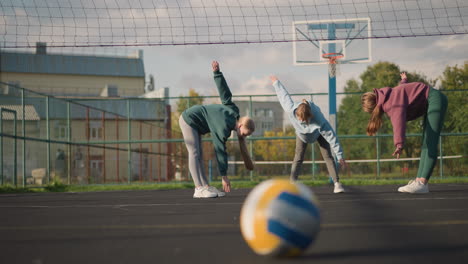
(113,140)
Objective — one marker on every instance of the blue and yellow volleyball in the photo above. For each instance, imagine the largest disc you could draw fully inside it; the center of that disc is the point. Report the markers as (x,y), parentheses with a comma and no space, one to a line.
(280,218)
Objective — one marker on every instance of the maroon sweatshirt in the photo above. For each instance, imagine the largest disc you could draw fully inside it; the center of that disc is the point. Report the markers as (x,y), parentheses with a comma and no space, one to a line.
(402,103)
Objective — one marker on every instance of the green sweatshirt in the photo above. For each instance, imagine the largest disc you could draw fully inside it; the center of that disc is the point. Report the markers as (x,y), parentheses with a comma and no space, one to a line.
(218,119)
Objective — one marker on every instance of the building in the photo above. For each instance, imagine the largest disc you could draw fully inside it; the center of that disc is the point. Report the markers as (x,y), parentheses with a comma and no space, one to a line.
(267,116)
(73,75)
(81,99)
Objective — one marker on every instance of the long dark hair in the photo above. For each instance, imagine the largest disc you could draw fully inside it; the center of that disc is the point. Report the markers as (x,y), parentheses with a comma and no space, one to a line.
(369,104)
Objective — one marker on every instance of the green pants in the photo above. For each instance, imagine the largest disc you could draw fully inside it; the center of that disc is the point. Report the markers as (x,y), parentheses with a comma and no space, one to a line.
(432,126)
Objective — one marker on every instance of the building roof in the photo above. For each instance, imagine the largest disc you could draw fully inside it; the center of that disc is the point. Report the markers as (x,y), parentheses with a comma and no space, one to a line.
(71,64)
(30,113)
(140,109)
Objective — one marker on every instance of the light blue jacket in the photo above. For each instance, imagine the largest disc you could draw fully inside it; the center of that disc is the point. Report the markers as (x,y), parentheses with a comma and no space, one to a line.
(317,126)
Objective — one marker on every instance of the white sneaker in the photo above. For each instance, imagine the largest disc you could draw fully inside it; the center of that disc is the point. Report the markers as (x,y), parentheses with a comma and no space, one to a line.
(204,192)
(218,192)
(414,186)
(338,188)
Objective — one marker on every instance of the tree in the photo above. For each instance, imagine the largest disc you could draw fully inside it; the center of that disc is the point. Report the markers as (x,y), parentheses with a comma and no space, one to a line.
(455,78)
(277,150)
(184,103)
(181,105)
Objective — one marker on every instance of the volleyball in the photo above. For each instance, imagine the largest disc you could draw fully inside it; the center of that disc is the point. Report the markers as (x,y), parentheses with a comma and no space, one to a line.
(280,218)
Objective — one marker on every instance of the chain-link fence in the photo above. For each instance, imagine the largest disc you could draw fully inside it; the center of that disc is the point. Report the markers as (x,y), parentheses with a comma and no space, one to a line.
(98,141)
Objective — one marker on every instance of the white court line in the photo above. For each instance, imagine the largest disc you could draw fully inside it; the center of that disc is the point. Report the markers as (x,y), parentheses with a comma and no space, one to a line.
(395,199)
(203,204)
(114,205)
(211,226)
(446,210)
(347,161)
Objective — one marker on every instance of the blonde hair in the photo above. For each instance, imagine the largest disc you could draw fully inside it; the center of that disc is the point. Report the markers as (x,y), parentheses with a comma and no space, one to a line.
(369,105)
(248,123)
(303,111)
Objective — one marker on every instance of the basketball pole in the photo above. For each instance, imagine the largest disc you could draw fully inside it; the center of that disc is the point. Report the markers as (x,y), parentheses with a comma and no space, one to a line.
(332,88)
(332,81)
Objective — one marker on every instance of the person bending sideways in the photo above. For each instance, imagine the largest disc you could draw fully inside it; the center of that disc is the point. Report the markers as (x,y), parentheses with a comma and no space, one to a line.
(219,120)
(403,103)
(310,126)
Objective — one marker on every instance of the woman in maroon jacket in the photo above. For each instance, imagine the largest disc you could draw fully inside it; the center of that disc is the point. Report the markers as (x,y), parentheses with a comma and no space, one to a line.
(406,102)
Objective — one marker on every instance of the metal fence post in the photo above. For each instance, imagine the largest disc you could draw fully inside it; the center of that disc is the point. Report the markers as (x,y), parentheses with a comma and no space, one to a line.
(48,139)
(210,170)
(377,138)
(129,152)
(441,162)
(313,149)
(23,129)
(15,151)
(1,145)
(69,141)
(313,160)
(250,141)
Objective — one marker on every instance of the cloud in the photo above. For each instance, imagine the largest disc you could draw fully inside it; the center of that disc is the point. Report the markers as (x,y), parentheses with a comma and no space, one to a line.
(248,57)
(452,43)
(255,86)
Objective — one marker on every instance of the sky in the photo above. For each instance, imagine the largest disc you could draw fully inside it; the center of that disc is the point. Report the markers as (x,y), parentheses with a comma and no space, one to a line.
(247,67)
(171,24)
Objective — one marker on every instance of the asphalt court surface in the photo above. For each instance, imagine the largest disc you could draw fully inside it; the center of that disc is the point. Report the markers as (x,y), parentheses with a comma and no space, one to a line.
(368,224)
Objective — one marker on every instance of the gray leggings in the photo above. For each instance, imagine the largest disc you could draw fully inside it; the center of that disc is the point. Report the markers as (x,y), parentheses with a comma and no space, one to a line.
(326,154)
(194,146)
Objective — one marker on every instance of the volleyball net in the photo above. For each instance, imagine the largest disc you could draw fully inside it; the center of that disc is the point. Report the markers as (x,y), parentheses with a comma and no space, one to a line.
(101,23)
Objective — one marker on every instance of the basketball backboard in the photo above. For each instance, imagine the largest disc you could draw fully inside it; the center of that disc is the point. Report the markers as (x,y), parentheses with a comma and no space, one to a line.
(350,37)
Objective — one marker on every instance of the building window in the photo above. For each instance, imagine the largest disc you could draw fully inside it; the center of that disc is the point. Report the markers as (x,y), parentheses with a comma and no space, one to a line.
(267,126)
(263,112)
(95,130)
(269,113)
(60,130)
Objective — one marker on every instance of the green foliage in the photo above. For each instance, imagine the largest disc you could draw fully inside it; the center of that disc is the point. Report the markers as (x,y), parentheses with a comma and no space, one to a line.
(182,104)
(12,189)
(56,186)
(185,103)
(381,74)
(280,150)
(277,150)
(455,78)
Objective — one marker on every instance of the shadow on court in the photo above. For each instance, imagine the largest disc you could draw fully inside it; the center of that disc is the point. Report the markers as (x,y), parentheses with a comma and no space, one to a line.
(368,224)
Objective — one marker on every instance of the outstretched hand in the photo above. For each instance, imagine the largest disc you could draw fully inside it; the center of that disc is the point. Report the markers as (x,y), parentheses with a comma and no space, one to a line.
(403,75)
(226,184)
(343,163)
(273,79)
(215,66)
(397,152)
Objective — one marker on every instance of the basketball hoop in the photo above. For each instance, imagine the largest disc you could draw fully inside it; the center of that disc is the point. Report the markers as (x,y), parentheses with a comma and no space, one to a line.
(333,61)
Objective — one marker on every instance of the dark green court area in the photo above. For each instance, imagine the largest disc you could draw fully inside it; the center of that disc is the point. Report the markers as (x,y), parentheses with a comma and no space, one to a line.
(368,224)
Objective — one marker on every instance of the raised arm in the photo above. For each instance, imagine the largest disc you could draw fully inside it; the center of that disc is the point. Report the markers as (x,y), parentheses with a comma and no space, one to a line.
(223,89)
(403,77)
(283,95)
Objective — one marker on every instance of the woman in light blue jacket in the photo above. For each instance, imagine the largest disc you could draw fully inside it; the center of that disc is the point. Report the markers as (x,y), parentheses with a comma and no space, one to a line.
(310,126)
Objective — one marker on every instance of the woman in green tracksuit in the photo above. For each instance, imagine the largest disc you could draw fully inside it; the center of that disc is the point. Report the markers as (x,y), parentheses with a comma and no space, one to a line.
(219,120)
